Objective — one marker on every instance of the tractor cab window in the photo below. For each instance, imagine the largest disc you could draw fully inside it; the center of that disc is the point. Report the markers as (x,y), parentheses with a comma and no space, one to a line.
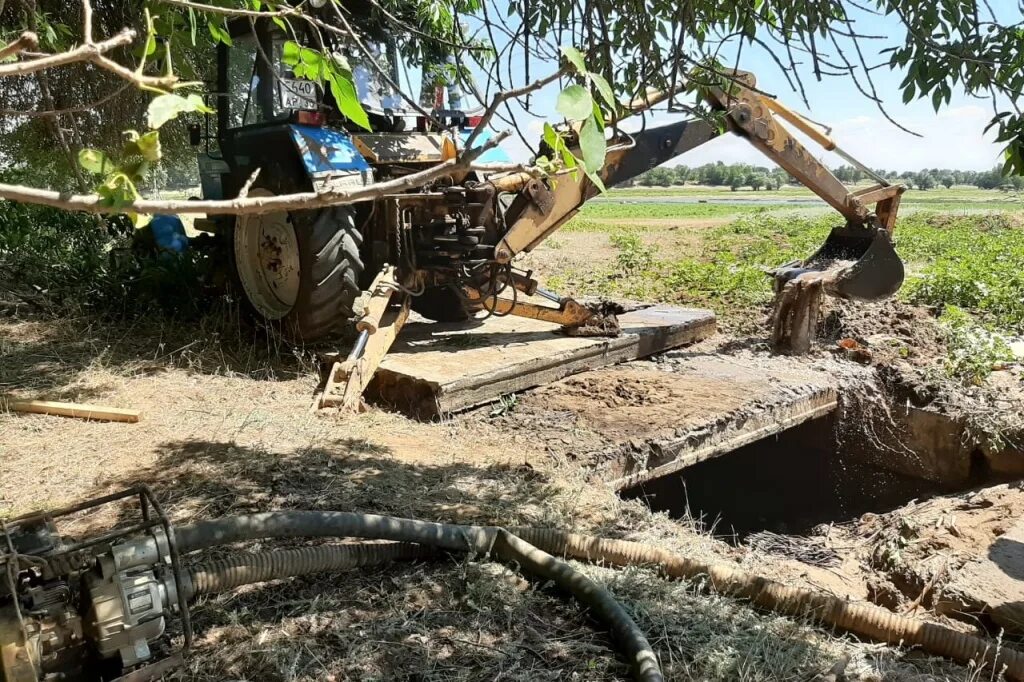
(243,83)
(261,87)
(373,89)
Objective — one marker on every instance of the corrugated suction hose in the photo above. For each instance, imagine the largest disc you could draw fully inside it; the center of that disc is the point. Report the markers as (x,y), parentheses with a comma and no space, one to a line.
(493,541)
(862,619)
(532,549)
(245,568)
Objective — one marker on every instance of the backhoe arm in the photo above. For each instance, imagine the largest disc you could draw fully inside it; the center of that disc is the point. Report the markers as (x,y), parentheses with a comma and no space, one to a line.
(541,207)
(857,261)
(753,116)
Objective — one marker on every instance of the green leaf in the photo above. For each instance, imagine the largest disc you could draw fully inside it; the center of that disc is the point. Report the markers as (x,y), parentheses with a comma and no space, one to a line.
(118,191)
(219,33)
(598,182)
(290,53)
(574,57)
(340,61)
(592,146)
(348,100)
(605,90)
(168,107)
(149,146)
(551,136)
(192,25)
(94,161)
(310,57)
(575,103)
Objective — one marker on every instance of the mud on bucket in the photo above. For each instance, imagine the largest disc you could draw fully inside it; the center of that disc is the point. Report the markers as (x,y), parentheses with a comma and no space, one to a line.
(863,259)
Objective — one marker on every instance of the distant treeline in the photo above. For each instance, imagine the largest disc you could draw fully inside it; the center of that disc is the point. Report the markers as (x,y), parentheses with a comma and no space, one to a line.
(739,175)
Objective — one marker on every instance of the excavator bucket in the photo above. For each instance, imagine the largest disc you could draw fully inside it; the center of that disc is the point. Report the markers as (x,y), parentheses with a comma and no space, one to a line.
(855,262)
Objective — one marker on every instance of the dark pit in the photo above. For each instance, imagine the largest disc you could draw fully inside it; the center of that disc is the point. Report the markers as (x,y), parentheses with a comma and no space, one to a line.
(791,482)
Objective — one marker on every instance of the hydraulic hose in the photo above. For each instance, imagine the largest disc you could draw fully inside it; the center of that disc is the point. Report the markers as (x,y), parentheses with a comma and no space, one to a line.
(235,570)
(862,619)
(476,539)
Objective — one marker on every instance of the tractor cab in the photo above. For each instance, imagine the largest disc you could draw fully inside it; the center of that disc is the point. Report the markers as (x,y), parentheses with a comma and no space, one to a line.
(279,132)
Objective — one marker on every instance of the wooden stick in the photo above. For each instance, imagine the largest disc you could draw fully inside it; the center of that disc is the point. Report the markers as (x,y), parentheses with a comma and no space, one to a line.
(79,410)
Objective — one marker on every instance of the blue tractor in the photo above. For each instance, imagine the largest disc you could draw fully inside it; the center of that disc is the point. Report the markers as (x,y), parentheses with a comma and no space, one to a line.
(449,246)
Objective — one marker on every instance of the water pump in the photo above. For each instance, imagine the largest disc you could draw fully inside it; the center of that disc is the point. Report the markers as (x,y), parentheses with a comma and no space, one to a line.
(94,608)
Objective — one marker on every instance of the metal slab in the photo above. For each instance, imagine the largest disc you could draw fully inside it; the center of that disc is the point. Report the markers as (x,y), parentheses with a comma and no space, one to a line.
(435,369)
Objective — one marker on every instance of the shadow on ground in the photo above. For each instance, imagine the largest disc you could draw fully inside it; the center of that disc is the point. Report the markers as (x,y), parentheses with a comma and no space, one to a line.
(51,357)
(455,618)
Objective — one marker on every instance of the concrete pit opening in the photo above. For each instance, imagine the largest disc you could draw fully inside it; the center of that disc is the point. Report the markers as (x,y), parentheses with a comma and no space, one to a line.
(814,473)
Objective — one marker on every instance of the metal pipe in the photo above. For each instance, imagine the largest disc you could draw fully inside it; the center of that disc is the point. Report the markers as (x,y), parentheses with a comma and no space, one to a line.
(861,167)
(550,295)
(360,345)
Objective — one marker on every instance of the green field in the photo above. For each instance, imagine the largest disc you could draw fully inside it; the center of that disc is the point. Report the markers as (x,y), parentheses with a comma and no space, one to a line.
(695,201)
(964,250)
(955,193)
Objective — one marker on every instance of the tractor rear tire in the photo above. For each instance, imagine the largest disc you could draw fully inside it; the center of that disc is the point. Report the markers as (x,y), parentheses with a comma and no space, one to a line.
(318,301)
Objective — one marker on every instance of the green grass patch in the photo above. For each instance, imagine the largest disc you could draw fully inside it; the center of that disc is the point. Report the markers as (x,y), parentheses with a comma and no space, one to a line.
(596,216)
(971,349)
(972,262)
(609,217)
(728,272)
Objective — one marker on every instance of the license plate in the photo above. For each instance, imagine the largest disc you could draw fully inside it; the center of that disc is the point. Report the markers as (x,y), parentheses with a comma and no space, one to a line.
(297,94)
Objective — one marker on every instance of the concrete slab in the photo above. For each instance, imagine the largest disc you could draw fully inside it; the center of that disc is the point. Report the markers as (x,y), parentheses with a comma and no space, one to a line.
(993,584)
(644,420)
(435,369)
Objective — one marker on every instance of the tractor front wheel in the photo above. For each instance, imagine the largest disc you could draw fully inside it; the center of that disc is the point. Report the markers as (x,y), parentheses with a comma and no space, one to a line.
(300,270)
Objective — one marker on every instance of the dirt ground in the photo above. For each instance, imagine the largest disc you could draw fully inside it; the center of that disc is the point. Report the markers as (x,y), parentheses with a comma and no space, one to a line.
(226,429)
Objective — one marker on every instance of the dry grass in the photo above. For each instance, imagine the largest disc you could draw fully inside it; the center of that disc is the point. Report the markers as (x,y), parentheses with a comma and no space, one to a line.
(226,430)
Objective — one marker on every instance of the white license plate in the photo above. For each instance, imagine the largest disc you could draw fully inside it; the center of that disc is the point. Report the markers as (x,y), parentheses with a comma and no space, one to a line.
(297,94)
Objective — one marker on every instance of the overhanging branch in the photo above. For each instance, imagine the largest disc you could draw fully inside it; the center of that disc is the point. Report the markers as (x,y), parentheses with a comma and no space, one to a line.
(91,203)
(83,53)
(26,41)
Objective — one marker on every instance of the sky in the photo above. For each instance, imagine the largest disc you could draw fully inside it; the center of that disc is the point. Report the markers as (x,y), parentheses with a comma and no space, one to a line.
(950,138)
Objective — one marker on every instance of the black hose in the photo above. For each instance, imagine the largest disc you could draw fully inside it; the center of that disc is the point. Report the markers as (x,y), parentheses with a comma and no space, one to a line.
(530,547)
(294,524)
(483,540)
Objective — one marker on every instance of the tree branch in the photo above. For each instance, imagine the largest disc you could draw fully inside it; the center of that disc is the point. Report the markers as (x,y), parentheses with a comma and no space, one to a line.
(88,52)
(26,41)
(504,96)
(91,203)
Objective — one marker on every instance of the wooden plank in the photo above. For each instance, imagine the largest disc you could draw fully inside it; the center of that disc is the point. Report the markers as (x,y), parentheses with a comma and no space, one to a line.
(437,369)
(78,410)
(675,454)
